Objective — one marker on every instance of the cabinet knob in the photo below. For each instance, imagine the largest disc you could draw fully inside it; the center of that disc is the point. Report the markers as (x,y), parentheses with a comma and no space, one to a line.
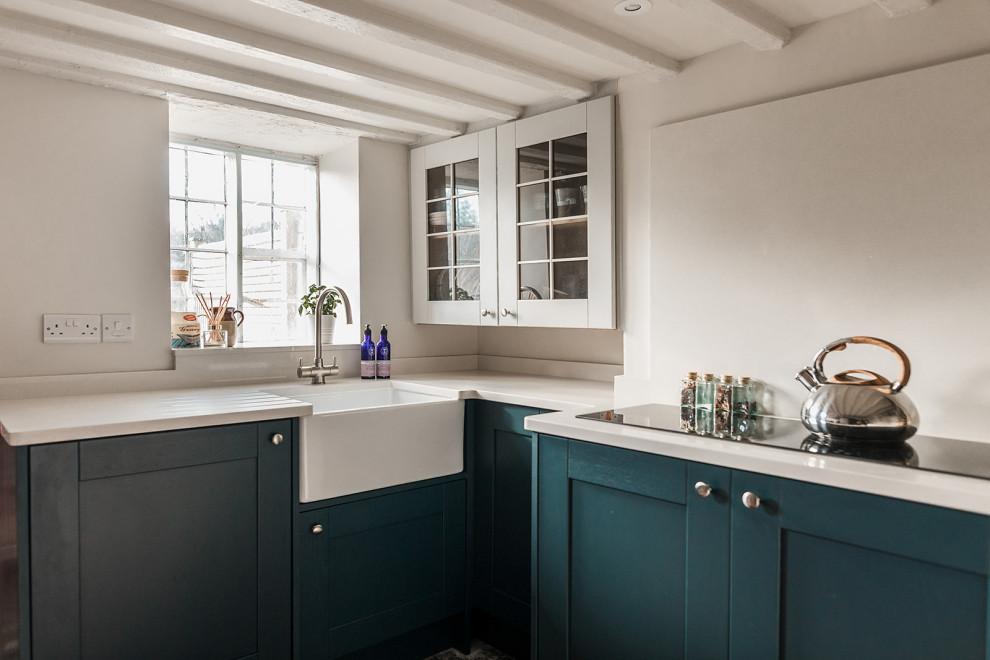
(751,500)
(703,489)
(505,312)
(277,439)
(487,312)
(317,529)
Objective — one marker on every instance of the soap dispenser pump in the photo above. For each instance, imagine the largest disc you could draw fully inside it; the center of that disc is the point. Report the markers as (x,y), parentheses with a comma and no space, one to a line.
(367,355)
(383,356)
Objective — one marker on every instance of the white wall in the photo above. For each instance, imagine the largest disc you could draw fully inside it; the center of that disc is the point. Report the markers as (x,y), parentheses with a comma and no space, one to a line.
(365,237)
(83,223)
(858,46)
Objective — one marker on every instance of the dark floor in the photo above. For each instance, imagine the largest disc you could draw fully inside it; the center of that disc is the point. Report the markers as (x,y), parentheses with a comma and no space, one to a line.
(479,651)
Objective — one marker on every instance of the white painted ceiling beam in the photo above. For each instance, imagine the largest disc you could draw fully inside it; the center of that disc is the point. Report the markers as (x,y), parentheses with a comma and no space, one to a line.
(551,23)
(189,96)
(896,8)
(742,19)
(19,33)
(373,22)
(188,26)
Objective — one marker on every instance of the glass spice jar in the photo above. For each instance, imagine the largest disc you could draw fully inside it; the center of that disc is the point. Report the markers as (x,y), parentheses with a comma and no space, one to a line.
(689,388)
(704,404)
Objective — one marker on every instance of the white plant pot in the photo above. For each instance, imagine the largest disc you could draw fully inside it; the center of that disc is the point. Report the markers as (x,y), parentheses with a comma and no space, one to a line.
(328,323)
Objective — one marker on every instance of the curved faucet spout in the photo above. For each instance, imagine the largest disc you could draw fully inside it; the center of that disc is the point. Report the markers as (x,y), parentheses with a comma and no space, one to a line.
(318,372)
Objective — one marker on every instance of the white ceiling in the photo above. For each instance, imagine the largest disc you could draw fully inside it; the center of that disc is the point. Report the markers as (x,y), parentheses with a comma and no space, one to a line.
(304,75)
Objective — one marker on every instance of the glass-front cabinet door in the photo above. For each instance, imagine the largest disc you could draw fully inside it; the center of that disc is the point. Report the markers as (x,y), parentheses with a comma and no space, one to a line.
(454,236)
(556,218)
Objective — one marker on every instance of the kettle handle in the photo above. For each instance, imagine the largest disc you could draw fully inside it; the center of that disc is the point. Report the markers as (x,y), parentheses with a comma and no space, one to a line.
(840,344)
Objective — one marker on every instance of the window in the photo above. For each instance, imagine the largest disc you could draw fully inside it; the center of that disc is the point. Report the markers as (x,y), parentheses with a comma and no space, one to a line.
(246,225)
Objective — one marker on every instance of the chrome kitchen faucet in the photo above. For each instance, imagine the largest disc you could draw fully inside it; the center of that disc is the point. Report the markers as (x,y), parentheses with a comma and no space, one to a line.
(318,372)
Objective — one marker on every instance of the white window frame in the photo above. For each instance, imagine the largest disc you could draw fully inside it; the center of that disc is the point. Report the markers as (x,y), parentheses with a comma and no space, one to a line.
(234,221)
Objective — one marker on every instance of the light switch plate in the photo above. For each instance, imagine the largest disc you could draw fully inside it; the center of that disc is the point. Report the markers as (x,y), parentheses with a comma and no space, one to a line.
(117,328)
(70,328)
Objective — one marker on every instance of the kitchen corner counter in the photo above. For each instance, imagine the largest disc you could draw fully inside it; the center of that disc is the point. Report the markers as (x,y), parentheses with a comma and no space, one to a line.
(60,419)
(928,487)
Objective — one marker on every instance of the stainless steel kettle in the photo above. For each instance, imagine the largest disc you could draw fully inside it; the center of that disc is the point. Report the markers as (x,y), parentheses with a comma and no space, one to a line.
(858,404)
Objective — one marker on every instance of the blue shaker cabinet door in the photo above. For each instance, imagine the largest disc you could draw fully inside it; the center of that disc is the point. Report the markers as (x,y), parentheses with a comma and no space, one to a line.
(612,553)
(163,545)
(503,474)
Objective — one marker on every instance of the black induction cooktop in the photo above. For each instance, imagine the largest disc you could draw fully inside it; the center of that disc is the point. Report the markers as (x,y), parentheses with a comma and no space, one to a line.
(961,457)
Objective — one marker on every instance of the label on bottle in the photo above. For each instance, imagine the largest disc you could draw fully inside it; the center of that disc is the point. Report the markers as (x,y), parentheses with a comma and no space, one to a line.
(384,369)
(367,368)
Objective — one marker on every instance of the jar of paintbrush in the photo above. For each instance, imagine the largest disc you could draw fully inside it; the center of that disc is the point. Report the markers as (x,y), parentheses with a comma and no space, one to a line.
(214,334)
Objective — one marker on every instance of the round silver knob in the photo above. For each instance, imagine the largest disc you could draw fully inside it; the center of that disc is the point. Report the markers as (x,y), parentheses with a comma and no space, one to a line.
(505,311)
(317,529)
(277,439)
(751,500)
(487,312)
(702,489)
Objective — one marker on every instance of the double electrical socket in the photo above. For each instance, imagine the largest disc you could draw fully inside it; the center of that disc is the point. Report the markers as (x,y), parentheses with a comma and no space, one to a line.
(86,328)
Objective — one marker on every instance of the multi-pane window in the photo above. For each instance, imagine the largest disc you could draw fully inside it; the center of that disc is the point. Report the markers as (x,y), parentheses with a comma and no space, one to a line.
(246,225)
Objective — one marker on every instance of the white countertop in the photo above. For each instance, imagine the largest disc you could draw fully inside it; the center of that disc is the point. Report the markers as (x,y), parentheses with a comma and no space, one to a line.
(60,419)
(939,489)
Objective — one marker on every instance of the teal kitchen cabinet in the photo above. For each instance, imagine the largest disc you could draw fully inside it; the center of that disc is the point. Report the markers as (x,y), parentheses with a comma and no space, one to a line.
(162,545)
(502,558)
(382,574)
(642,556)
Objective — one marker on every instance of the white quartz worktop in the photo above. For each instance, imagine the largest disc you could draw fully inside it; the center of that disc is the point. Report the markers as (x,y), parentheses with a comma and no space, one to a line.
(936,488)
(59,419)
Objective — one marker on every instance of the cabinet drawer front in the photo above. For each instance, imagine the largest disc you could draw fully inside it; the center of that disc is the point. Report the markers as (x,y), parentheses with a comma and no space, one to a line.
(131,454)
(951,538)
(632,471)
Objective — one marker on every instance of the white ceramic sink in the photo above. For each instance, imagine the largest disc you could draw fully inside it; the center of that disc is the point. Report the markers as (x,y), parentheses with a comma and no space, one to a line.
(374,436)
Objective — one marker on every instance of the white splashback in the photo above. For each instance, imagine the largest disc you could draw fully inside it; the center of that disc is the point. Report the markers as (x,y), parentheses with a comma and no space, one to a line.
(860,210)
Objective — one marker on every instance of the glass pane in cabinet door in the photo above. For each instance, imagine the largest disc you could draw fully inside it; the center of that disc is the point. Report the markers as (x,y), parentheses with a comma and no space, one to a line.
(533,202)
(533,162)
(439,284)
(534,281)
(467,283)
(205,223)
(438,216)
(570,279)
(570,155)
(467,212)
(570,239)
(438,182)
(439,251)
(570,197)
(466,177)
(534,242)
(468,248)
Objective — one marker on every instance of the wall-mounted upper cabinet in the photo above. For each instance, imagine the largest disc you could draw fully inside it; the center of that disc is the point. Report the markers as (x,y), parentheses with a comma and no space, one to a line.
(515,225)
(454,236)
(556,186)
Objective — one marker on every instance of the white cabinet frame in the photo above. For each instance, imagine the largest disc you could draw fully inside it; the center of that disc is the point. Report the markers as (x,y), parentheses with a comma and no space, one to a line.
(597,119)
(457,312)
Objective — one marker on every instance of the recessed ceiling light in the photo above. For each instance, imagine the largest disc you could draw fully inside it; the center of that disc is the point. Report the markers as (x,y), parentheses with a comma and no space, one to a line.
(633,7)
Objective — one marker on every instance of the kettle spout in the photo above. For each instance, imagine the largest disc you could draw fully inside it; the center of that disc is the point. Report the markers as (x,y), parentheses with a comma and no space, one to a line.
(809,378)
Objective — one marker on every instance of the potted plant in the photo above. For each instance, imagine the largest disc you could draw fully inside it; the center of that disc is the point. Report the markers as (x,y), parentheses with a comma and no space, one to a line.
(308,308)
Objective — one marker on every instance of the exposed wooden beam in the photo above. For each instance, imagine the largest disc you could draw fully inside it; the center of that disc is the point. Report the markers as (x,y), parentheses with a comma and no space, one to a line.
(742,19)
(373,22)
(188,95)
(551,23)
(196,28)
(901,7)
(20,33)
